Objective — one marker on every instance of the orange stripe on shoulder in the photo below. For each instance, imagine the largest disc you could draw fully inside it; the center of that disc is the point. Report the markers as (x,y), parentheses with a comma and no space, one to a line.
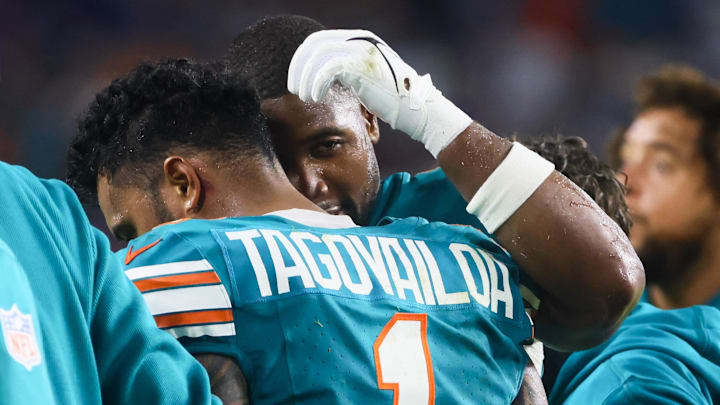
(178,280)
(194,318)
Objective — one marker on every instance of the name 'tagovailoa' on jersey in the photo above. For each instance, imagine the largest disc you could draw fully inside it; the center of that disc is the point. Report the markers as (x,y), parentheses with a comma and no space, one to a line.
(317,310)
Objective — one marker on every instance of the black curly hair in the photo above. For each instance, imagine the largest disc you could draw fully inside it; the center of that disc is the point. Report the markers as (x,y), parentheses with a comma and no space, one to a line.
(262,52)
(575,161)
(174,104)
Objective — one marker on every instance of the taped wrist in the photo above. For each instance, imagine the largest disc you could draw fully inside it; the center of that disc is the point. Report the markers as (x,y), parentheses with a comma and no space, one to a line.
(445,121)
(509,186)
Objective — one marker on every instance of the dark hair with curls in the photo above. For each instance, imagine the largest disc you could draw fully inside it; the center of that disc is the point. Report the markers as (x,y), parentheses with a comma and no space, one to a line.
(698,96)
(575,161)
(173,105)
(262,52)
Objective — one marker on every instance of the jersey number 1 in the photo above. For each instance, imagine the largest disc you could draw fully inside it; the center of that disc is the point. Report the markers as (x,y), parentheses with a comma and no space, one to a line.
(402,360)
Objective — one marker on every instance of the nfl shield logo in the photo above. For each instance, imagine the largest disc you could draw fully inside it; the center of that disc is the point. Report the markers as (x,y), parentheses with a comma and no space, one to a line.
(19,335)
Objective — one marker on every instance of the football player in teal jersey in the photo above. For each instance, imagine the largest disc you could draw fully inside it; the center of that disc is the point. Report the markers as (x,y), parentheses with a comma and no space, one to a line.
(25,378)
(175,141)
(326,149)
(90,333)
(311,307)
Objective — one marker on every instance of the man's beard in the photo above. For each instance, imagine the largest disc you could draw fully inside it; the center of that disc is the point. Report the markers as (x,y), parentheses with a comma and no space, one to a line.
(667,260)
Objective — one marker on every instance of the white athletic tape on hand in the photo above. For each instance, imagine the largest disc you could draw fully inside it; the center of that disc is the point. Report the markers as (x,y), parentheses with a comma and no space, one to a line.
(509,186)
(386,85)
(306,50)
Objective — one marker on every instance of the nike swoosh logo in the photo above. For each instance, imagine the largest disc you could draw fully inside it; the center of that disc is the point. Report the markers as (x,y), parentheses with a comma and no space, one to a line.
(130,256)
(375,43)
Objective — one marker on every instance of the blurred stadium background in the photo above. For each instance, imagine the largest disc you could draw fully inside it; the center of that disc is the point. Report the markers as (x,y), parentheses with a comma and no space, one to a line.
(525,67)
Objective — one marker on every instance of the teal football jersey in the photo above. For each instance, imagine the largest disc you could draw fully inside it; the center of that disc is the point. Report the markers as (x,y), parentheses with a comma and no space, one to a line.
(428,195)
(97,340)
(656,357)
(24,378)
(318,311)
(431,195)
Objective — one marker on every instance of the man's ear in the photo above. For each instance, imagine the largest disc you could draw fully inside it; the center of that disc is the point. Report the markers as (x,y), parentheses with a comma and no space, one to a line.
(184,180)
(371,124)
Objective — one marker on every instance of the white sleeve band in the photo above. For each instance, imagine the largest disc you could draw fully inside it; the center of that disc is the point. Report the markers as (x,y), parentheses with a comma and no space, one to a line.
(536,353)
(509,186)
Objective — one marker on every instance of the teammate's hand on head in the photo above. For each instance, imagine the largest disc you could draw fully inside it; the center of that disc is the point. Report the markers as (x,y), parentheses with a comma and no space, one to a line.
(386,85)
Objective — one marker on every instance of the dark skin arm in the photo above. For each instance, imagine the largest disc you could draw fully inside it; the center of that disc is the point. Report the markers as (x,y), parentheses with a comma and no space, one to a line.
(586,266)
(226,379)
(531,391)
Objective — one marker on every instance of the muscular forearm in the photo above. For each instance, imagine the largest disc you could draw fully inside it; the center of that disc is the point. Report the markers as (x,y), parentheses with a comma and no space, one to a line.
(584,263)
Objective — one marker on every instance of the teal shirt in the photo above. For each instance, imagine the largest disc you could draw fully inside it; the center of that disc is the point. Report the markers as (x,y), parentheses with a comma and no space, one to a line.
(656,357)
(99,343)
(715,302)
(315,315)
(24,371)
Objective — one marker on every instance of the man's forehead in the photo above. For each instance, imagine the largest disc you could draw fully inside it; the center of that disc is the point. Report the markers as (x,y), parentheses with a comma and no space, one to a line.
(337,109)
(666,124)
(667,129)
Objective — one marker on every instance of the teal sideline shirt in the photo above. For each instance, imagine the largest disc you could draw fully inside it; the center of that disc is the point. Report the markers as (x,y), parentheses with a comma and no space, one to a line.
(656,357)
(715,302)
(316,310)
(98,341)
(24,372)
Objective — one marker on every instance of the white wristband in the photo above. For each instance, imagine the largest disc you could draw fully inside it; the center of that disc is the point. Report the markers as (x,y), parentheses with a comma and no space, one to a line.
(509,186)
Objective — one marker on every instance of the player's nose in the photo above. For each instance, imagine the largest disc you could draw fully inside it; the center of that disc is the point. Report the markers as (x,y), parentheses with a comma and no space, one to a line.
(310,183)
(630,175)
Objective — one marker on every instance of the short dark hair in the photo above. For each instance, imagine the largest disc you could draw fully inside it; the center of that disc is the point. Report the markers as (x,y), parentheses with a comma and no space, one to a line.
(678,86)
(158,107)
(574,160)
(262,52)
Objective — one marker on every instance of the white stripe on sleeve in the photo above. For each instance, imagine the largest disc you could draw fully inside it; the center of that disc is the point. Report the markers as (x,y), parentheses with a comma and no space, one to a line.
(156,270)
(187,299)
(221,329)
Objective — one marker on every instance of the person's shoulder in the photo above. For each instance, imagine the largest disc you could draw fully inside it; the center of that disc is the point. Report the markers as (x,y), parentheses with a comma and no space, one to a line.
(657,378)
(181,273)
(428,194)
(433,179)
(183,240)
(396,179)
(24,178)
(417,227)
(683,322)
